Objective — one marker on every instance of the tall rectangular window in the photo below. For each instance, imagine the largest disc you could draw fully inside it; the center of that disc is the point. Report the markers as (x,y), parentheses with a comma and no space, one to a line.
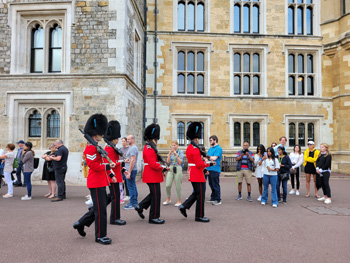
(301,17)
(246,131)
(191,15)
(246,16)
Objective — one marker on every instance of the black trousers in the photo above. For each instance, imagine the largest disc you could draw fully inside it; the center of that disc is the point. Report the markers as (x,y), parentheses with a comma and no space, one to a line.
(97,213)
(297,179)
(197,196)
(60,176)
(325,184)
(153,200)
(114,198)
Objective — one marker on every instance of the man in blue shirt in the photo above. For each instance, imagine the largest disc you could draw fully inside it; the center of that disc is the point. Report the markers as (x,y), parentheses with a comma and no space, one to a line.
(215,153)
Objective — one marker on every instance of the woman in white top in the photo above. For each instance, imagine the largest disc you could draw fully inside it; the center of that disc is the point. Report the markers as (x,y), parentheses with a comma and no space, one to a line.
(9,158)
(297,159)
(259,173)
(270,167)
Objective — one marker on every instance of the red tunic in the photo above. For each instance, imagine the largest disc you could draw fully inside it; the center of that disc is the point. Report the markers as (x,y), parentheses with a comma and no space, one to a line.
(194,157)
(97,176)
(117,170)
(152,172)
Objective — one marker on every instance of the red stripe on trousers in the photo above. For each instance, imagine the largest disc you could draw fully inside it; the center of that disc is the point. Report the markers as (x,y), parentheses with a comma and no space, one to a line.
(155,194)
(98,209)
(201,199)
(115,202)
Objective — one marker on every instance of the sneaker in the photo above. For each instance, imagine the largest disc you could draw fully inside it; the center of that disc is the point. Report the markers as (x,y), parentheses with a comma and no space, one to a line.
(26,197)
(210,201)
(280,200)
(321,199)
(259,199)
(128,207)
(167,203)
(328,201)
(249,199)
(297,193)
(7,196)
(122,201)
(217,203)
(274,206)
(126,198)
(285,202)
(239,197)
(177,204)
(263,203)
(292,192)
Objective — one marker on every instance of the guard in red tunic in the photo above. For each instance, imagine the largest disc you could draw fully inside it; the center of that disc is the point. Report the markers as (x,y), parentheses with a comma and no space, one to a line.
(196,168)
(153,174)
(113,135)
(97,181)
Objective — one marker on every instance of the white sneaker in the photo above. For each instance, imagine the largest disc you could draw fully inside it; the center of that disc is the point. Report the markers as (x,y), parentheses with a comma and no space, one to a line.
(177,204)
(321,199)
(328,201)
(263,203)
(7,196)
(126,198)
(274,206)
(167,203)
(26,197)
(297,193)
(259,199)
(89,202)
(292,192)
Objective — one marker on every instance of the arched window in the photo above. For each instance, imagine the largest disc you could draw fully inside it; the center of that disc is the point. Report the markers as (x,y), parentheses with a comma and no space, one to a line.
(246,62)
(256,134)
(255,19)
(200,84)
(35,124)
(181,16)
(246,19)
(256,63)
(200,61)
(237,133)
(300,20)
(246,85)
(246,132)
(37,52)
(237,18)
(200,17)
(256,85)
(291,20)
(190,16)
(310,86)
(181,133)
(300,64)
(190,84)
(201,140)
(181,83)
(55,49)
(237,62)
(301,134)
(181,60)
(311,132)
(301,86)
(291,85)
(291,134)
(310,64)
(190,61)
(237,85)
(53,125)
(291,63)
(309,21)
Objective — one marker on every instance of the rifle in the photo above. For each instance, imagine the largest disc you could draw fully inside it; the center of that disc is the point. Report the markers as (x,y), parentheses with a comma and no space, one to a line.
(203,153)
(160,159)
(118,151)
(99,149)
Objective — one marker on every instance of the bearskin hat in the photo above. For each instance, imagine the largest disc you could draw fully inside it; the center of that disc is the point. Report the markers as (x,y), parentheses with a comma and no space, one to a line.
(96,125)
(152,132)
(194,130)
(113,130)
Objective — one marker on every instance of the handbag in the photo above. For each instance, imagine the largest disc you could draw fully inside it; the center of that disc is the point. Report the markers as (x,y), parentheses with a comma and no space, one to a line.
(294,171)
(284,176)
(15,163)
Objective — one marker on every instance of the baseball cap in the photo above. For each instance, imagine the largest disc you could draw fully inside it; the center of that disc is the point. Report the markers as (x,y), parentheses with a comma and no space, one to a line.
(311,142)
(20,141)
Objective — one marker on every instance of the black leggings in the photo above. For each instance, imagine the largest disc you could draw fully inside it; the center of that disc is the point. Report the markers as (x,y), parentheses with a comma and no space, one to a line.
(297,177)
(325,184)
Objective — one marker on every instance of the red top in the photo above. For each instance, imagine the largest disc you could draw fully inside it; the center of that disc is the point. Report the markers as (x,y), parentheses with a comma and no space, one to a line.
(153,172)
(117,169)
(194,157)
(97,176)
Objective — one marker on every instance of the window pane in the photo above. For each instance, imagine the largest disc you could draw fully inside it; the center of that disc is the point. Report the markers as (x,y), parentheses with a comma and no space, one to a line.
(310,64)
(237,84)
(190,83)
(246,85)
(291,85)
(56,37)
(256,85)
(190,61)
(292,134)
(56,60)
(246,132)
(309,1)
(181,133)
(246,62)
(181,61)
(309,21)
(310,132)
(35,124)
(246,19)
(38,60)
(190,16)
(181,83)
(301,86)
(300,64)
(256,134)
(201,140)
(200,84)
(290,1)
(38,38)
(256,19)
(290,20)
(300,21)
(310,86)
(200,17)
(200,61)
(299,1)
(181,16)
(237,134)
(237,62)
(237,19)
(256,63)
(187,125)
(301,134)
(53,125)
(291,65)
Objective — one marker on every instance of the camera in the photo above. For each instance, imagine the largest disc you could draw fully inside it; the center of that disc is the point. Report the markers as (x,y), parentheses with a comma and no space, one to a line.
(244,151)
(174,169)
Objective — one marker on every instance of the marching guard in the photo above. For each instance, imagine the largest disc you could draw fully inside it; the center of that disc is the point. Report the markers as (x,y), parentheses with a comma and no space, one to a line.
(197,169)
(153,174)
(97,180)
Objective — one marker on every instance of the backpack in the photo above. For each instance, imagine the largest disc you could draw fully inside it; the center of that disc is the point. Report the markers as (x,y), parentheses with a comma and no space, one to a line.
(36,162)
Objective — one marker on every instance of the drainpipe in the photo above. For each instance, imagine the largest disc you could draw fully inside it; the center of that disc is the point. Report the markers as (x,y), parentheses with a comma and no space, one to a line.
(155,64)
(145,39)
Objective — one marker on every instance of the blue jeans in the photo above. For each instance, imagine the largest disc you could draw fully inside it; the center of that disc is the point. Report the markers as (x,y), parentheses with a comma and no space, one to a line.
(284,186)
(214,183)
(28,182)
(270,179)
(132,188)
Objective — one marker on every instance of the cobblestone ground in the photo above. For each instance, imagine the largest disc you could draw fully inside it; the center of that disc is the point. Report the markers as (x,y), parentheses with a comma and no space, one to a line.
(303,230)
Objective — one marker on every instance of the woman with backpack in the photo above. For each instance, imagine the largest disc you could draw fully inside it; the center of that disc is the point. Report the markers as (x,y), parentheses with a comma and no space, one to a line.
(28,167)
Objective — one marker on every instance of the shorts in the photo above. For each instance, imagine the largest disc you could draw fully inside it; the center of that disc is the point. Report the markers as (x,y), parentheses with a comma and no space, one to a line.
(247,174)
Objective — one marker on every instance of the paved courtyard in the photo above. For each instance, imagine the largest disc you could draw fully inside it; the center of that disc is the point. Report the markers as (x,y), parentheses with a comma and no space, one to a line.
(303,230)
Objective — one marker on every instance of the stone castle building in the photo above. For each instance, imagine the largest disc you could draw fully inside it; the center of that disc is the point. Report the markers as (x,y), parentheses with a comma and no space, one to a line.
(251,70)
